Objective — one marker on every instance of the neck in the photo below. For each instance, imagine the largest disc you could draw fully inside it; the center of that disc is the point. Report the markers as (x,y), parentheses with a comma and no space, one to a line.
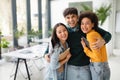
(64,44)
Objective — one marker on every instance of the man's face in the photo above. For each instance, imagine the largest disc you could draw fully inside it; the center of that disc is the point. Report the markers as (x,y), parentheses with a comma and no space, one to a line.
(71,20)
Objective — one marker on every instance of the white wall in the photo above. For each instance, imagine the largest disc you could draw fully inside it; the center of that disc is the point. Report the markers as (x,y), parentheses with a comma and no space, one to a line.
(117,34)
(57,7)
(5,18)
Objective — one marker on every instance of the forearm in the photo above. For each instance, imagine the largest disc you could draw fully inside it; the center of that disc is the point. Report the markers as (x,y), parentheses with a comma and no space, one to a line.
(62,62)
(62,56)
(105,35)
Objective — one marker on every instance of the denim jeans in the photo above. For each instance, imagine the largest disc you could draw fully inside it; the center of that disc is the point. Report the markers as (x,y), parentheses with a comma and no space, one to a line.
(100,71)
(60,76)
(78,72)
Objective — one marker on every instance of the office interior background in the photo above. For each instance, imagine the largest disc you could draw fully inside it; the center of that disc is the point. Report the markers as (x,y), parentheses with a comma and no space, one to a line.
(39,16)
(43,14)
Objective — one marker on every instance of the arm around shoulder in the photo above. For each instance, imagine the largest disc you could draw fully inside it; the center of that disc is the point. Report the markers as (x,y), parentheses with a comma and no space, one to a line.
(105,34)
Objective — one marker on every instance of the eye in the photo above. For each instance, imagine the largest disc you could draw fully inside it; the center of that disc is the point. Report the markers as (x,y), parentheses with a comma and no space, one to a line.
(59,32)
(68,17)
(64,30)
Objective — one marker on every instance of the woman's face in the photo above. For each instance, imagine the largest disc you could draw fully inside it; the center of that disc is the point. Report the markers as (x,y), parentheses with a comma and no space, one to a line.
(62,33)
(86,25)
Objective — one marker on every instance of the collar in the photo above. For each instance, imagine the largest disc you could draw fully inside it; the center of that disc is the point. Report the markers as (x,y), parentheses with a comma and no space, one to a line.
(76,28)
(62,45)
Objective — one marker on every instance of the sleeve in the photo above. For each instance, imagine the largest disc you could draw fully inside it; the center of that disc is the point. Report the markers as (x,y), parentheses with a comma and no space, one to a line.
(88,52)
(105,34)
(49,48)
(92,38)
(54,59)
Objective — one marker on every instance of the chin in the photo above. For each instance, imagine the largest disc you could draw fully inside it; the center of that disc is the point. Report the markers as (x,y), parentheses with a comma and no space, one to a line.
(84,31)
(72,26)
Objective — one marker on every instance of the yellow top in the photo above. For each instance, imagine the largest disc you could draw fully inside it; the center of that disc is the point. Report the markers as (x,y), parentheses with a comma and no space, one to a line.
(96,55)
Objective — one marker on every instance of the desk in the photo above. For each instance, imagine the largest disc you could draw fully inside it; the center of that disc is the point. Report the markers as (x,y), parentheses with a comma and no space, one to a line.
(33,52)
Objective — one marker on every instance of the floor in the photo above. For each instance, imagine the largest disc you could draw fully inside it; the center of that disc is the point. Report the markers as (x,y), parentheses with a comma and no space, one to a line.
(37,69)
(114,62)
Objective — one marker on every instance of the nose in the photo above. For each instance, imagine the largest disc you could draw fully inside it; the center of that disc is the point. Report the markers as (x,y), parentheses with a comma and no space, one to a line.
(71,19)
(63,33)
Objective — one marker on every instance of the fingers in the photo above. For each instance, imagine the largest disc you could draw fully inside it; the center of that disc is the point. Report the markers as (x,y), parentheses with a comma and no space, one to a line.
(83,43)
(68,49)
(95,47)
(47,57)
(98,44)
(68,56)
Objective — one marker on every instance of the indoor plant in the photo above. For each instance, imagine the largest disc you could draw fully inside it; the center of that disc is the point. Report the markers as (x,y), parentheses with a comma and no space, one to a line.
(4,45)
(19,33)
(102,12)
(32,34)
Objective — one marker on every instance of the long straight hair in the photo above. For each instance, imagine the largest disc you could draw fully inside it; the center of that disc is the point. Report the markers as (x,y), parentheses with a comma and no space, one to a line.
(54,39)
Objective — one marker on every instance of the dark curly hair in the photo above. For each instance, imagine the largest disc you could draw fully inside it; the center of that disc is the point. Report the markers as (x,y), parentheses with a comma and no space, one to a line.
(90,15)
